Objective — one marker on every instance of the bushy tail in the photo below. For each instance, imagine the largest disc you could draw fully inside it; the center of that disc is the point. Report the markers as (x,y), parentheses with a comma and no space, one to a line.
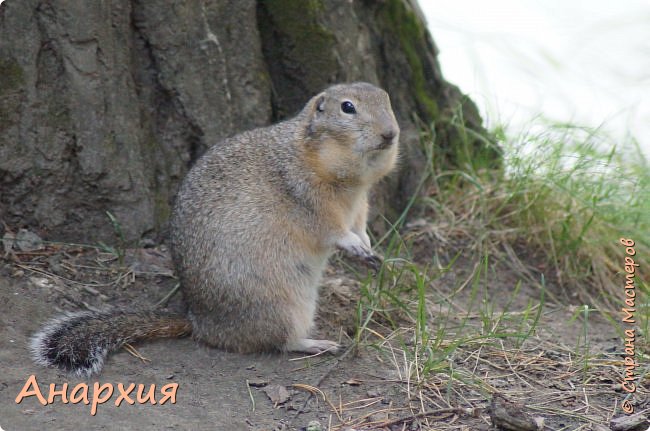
(80,342)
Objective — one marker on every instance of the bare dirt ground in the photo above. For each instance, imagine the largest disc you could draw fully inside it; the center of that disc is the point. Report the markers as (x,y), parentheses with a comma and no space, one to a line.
(377,386)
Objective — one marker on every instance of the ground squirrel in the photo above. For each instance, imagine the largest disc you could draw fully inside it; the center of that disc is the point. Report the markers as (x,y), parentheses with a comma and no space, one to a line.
(254,224)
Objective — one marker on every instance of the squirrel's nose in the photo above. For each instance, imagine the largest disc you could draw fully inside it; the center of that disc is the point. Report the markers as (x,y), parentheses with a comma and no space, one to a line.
(389,134)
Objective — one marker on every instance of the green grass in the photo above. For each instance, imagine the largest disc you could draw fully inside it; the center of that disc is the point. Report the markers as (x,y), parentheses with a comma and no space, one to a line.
(120,249)
(561,196)
(552,218)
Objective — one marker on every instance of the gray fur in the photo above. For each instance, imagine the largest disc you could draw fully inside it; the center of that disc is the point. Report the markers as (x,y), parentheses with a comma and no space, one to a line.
(253,226)
(79,342)
(41,351)
(254,223)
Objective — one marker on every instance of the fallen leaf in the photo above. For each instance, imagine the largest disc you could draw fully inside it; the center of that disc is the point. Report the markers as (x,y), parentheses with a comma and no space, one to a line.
(277,394)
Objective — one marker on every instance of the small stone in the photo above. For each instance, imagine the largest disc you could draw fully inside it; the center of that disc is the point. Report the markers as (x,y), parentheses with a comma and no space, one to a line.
(8,240)
(42,282)
(379,417)
(617,387)
(28,241)
(314,426)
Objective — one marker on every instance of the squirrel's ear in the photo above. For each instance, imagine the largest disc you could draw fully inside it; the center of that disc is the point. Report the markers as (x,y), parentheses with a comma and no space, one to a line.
(317,103)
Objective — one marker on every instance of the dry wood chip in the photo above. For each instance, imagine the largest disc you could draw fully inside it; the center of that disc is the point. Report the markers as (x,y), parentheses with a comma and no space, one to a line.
(636,422)
(257,383)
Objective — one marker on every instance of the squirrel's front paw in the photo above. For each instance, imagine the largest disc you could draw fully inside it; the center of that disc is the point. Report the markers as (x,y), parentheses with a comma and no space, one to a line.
(374,261)
(355,247)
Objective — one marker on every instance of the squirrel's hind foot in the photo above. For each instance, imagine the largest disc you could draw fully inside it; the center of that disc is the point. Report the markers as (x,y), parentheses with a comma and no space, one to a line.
(313,347)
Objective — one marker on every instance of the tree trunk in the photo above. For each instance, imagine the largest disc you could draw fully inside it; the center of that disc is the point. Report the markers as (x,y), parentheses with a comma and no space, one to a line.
(104,105)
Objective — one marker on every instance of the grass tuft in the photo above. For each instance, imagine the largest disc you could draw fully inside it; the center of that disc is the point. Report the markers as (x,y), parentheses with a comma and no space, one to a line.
(562,196)
(495,276)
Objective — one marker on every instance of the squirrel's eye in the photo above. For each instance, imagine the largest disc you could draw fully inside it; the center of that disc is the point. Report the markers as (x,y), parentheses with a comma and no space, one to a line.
(348,108)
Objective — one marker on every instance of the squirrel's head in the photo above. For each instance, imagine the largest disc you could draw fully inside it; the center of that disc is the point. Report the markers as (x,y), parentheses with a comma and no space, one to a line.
(352,134)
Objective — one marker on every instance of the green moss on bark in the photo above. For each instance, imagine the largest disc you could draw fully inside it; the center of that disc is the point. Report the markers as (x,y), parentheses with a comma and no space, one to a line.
(12,76)
(12,80)
(311,45)
(299,50)
(162,208)
(151,149)
(412,38)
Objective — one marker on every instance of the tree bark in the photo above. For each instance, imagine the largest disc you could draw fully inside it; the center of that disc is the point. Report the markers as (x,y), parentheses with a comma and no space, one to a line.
(104,105)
